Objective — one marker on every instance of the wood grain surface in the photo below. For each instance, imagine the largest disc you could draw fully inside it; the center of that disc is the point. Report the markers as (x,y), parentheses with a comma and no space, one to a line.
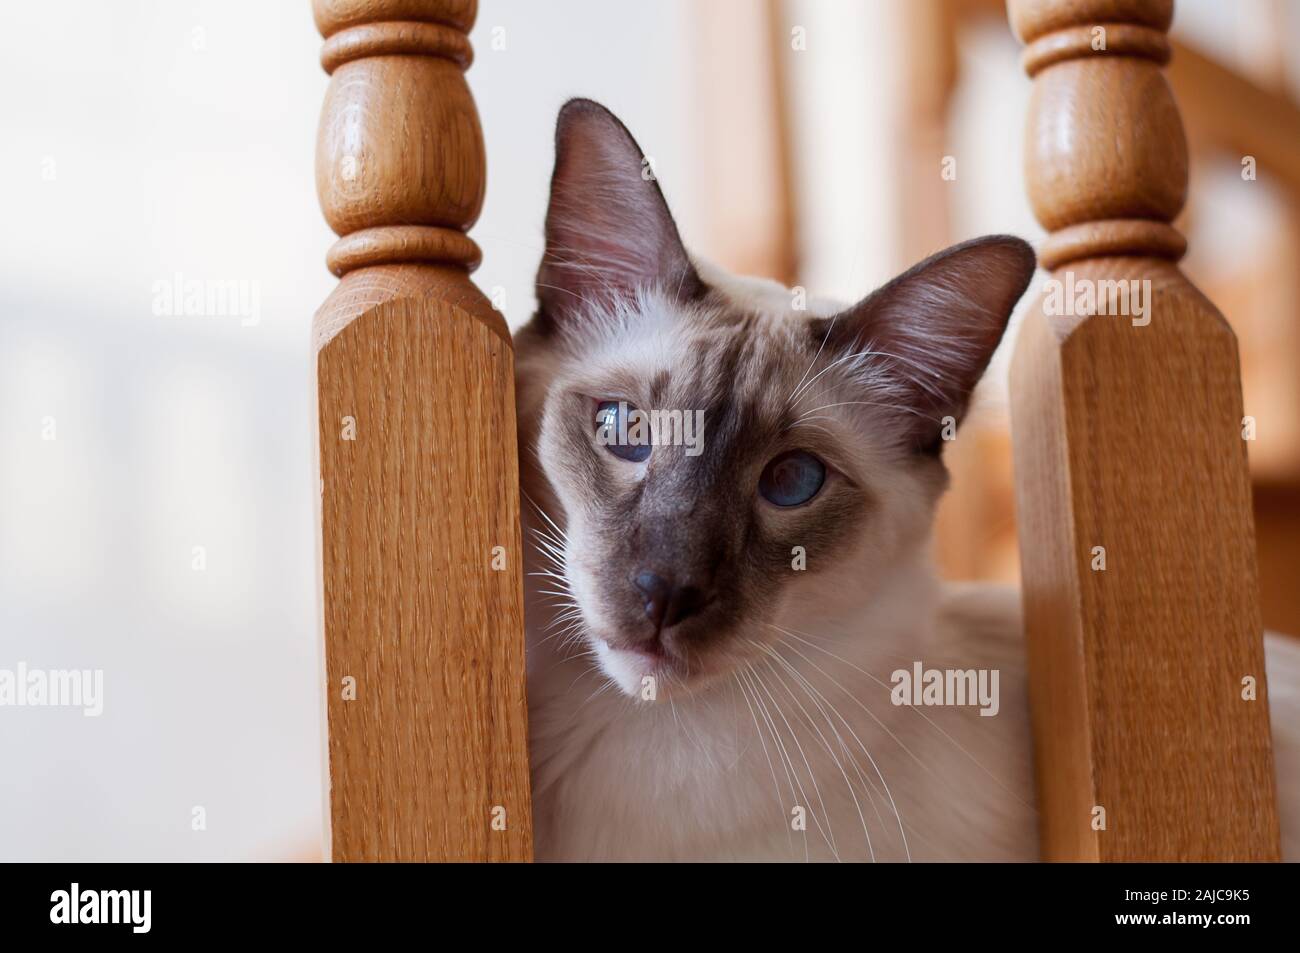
(1128,437)
(420,540)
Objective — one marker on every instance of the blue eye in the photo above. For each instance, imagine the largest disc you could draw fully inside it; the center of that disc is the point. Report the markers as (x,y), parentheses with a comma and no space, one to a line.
(620,430)
(792,478)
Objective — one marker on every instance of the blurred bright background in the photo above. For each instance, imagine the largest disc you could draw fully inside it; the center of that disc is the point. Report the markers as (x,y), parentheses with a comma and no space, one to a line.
(149,140)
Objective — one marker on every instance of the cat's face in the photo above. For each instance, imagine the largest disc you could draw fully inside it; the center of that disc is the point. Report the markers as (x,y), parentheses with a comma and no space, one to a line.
(722,463)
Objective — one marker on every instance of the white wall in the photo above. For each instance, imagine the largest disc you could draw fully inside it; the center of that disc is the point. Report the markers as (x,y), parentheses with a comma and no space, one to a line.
(182,140)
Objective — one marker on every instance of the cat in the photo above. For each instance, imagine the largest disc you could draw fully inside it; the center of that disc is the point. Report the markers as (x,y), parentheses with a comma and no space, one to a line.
(716,640)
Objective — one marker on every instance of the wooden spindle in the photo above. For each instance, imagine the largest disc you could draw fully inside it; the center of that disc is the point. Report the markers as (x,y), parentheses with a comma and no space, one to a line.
(1129,449)
(423,603)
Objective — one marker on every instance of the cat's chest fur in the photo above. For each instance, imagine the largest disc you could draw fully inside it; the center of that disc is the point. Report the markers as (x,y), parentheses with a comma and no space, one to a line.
(783,763)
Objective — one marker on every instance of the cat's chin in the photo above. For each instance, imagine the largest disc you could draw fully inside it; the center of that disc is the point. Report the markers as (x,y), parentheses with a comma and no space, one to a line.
(649,677)
(637,674)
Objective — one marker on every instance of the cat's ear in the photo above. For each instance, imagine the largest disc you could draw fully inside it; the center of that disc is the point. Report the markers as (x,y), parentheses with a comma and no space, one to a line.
(927,336)
(608,228)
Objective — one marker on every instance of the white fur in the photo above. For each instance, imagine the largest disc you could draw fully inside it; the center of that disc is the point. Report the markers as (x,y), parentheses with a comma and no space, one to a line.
(619,779)
(720,773)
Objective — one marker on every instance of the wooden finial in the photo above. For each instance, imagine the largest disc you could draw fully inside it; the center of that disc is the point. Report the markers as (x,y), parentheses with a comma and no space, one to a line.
(420,537)
(1142,620)
(1105,153)
(400,163)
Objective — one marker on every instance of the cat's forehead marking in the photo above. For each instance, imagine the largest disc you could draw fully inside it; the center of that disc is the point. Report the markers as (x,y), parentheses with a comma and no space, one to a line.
(659,386)
(740,373)
(746,358)
(738,359)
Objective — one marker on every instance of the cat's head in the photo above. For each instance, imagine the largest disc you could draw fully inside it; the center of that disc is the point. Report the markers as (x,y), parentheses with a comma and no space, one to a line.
(725,463)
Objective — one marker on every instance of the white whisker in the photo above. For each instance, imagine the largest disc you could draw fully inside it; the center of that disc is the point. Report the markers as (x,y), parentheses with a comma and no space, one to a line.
(825,743)
(827,834)
(790,779)
(945,734)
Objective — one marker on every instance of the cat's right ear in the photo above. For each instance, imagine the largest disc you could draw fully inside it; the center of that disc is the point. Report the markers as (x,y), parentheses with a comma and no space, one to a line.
(933,330)
(608,228)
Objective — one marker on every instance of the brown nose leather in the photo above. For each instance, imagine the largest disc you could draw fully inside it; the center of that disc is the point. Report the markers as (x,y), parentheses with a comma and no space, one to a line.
(666,603)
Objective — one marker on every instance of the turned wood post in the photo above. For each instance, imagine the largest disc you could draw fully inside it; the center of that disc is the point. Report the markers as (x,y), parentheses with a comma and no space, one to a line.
(1137,542)
(423,602)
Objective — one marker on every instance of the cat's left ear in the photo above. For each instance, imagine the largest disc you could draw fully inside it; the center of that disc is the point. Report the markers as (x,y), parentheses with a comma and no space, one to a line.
(608,228)
(932,330)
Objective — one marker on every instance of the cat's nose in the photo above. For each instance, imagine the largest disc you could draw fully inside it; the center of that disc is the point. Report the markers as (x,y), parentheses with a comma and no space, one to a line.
(667,603)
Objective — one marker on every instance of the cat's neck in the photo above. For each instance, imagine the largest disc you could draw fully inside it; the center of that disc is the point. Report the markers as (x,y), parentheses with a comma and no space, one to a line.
(825,691)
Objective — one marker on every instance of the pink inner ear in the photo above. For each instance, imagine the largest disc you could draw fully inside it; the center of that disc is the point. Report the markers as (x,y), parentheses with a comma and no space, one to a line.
(933,329)
(608,228)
